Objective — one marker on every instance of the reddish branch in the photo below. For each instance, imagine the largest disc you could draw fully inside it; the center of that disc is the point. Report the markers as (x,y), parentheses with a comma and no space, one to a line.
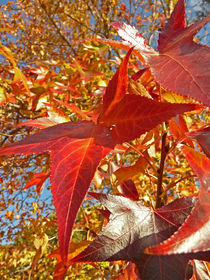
(160,175)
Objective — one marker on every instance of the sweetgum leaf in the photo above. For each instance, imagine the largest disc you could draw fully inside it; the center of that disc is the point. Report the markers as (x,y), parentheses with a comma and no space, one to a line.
(38,143)
(132,228)
(180,130)
(135,114)
(76,150)
(130,115)
(194,234)
(181,65)
(72,171)
(202,135)
(201,166)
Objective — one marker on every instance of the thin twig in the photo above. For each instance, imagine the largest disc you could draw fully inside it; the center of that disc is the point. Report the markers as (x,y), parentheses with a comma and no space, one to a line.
(56,27)
(164,8)
(175,183)
(160,176)
(80,23)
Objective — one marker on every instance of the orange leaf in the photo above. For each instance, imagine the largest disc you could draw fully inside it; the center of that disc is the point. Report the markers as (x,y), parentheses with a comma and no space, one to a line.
(130,172)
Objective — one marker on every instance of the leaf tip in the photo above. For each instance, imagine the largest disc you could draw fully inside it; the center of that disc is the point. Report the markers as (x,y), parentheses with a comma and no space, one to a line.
(117,25)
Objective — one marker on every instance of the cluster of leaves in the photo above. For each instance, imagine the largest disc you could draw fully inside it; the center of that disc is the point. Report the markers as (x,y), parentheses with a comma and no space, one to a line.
(124,142)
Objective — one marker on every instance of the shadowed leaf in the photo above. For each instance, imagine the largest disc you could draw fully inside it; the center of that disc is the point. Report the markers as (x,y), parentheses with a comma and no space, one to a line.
(132,228)
(128,189)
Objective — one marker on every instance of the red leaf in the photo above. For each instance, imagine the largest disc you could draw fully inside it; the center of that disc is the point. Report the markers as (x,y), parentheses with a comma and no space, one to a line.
(138,74)
(174,26)
(116,88)
(72,172)
(194,234)
(38,180)
(132,228)
(76,150)
(128,189)
(135,115)
(181,64)
(200,164)
(202,135)
(180,130)
(176,65)
(39,142)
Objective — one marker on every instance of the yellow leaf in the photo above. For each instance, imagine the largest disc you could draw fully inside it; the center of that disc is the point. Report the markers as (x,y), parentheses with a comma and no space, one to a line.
(40,244)
(138,89)
(2,96)
(173,97)
(19,76)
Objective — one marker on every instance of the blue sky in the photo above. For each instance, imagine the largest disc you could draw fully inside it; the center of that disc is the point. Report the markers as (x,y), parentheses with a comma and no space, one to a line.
(3,1)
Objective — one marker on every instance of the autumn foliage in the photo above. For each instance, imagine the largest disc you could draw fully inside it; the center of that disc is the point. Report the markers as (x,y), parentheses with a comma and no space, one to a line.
(127,154)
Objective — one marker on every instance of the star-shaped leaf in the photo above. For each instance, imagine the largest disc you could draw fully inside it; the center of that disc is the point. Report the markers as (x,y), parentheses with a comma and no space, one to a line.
(180,64)
(132,228)
(76,148)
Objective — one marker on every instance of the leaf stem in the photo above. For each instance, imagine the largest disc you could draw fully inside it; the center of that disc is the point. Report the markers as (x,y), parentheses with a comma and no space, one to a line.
(160,175)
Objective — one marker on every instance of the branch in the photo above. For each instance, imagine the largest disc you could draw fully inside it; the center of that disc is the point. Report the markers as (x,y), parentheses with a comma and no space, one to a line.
(175,183)
(160,176)
(164,8)
(80,23)
(43,6)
